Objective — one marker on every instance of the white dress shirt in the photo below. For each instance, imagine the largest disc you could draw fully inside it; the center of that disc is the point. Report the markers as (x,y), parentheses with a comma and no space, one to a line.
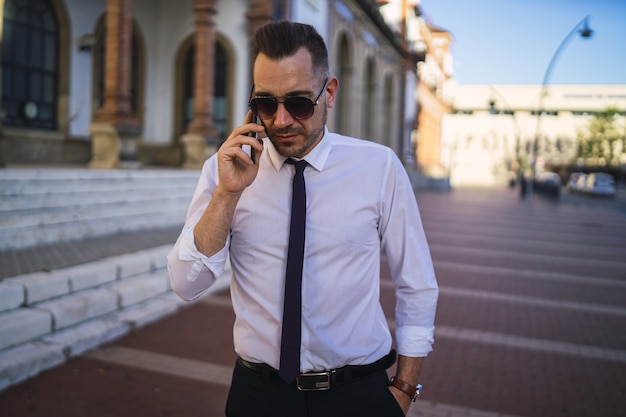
(359,203)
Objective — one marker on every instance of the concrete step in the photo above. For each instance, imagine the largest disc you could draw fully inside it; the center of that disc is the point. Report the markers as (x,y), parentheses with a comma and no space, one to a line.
(47,318)
(71,295)
(30,229)
(39,206)
(55,197)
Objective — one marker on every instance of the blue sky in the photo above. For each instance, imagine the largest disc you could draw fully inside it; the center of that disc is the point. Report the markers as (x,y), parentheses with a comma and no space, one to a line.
(512,41)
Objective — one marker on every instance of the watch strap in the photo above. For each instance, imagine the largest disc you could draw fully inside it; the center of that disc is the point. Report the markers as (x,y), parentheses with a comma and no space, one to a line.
(413,391)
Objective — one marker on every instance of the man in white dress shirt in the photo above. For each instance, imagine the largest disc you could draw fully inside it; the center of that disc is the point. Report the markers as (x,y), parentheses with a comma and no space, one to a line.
(359,204)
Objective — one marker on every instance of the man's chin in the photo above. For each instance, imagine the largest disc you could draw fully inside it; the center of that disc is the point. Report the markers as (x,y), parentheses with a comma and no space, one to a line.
(288,150)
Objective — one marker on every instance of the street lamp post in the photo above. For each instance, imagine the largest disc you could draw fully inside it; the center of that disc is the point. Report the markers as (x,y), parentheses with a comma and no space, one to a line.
(584,33)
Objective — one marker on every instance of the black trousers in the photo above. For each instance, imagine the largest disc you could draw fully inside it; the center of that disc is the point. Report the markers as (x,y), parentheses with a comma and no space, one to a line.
(252,396)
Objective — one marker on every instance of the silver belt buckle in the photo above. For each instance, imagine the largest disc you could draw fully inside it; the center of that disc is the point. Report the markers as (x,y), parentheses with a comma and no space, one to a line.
(314,381)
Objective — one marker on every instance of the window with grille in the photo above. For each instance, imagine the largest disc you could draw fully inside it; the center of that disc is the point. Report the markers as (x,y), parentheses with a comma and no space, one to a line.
(30,40)
(220,96)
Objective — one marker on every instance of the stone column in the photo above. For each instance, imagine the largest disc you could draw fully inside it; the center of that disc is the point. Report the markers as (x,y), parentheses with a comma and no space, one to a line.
(105,146)
(201,131)
(259,13)
(116,117)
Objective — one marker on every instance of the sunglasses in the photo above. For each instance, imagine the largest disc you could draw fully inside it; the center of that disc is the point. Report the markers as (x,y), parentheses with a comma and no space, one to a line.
(299,107)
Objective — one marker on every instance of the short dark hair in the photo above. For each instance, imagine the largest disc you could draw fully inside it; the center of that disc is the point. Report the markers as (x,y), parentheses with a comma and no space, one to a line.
(283,39)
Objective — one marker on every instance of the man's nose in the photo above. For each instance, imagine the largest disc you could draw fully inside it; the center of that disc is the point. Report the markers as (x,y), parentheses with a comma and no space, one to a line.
(282,117)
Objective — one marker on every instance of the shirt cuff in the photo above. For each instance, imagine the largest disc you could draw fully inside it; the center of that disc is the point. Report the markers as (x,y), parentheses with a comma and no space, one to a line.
(415,341)
(188,252)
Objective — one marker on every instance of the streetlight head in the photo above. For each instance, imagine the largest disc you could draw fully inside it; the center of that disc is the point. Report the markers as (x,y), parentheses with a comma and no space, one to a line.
(586,31)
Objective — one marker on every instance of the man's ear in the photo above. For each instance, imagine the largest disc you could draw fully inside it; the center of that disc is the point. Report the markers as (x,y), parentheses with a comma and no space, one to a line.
(331,90)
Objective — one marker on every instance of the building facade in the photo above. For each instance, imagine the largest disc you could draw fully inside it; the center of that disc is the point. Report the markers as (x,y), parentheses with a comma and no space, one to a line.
(435,74)
(109,83)
(493,130)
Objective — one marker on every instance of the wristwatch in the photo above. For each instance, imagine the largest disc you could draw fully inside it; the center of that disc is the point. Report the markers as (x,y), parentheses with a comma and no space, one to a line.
(412,391)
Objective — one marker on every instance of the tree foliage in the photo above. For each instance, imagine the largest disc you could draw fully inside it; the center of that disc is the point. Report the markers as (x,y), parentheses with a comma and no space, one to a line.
(602,142)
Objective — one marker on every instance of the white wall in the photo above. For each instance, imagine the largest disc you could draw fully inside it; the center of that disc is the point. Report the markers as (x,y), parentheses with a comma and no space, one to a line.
(165,25)
(312,12)
(82,16)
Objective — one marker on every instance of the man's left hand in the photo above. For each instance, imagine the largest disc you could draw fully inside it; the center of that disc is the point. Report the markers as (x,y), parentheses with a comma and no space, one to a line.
(403,400)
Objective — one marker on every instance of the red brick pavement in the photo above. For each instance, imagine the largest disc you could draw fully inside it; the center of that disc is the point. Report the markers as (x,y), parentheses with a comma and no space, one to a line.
(89,387)
(529,290)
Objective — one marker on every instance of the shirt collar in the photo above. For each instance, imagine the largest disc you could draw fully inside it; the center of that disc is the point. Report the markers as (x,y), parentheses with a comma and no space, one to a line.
(316,158)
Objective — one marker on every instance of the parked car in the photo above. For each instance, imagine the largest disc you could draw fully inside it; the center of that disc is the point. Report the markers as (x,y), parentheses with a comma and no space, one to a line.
(548,183)
(600,184)
(581,183)
(572,181)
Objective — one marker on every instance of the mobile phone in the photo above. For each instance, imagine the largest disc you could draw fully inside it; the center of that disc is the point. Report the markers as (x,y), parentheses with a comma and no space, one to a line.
(255,119)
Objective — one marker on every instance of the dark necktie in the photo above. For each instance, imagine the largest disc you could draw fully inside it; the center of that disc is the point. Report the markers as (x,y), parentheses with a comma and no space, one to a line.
(292,309)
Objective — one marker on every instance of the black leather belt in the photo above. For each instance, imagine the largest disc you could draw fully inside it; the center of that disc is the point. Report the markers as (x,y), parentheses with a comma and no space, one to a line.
(324,380)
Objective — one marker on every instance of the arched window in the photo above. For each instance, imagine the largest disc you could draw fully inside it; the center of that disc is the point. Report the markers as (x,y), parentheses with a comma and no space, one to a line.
(220,93)
(30,41)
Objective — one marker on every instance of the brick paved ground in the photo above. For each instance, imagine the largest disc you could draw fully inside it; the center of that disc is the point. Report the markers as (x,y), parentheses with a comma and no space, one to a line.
(530,323)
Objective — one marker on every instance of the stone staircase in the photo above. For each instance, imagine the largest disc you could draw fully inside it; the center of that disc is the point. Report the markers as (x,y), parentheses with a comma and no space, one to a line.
(48,317)
(47,205)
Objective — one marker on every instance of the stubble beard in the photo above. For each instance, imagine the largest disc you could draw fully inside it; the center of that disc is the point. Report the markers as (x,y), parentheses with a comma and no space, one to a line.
(293,150)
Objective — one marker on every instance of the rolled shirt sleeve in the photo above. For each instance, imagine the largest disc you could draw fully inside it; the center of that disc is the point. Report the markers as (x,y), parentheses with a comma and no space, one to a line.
(190,271)
(414,341)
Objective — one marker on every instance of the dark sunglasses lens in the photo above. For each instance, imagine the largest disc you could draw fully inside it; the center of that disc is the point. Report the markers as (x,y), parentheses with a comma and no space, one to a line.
(300,107)
(266,107)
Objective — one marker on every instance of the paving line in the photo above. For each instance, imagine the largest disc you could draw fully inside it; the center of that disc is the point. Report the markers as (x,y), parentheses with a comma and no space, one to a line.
(533,301)
(530,301)
(519,342)
(613,269)
(167,364)
(510,273)
(526,245)
(221,375)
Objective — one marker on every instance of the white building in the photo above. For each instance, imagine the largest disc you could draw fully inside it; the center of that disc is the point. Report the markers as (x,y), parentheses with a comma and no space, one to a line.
(489,122)
(60,70)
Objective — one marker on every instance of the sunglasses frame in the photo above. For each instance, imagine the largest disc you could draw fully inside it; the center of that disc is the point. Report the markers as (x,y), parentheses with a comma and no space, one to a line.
(283,100)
